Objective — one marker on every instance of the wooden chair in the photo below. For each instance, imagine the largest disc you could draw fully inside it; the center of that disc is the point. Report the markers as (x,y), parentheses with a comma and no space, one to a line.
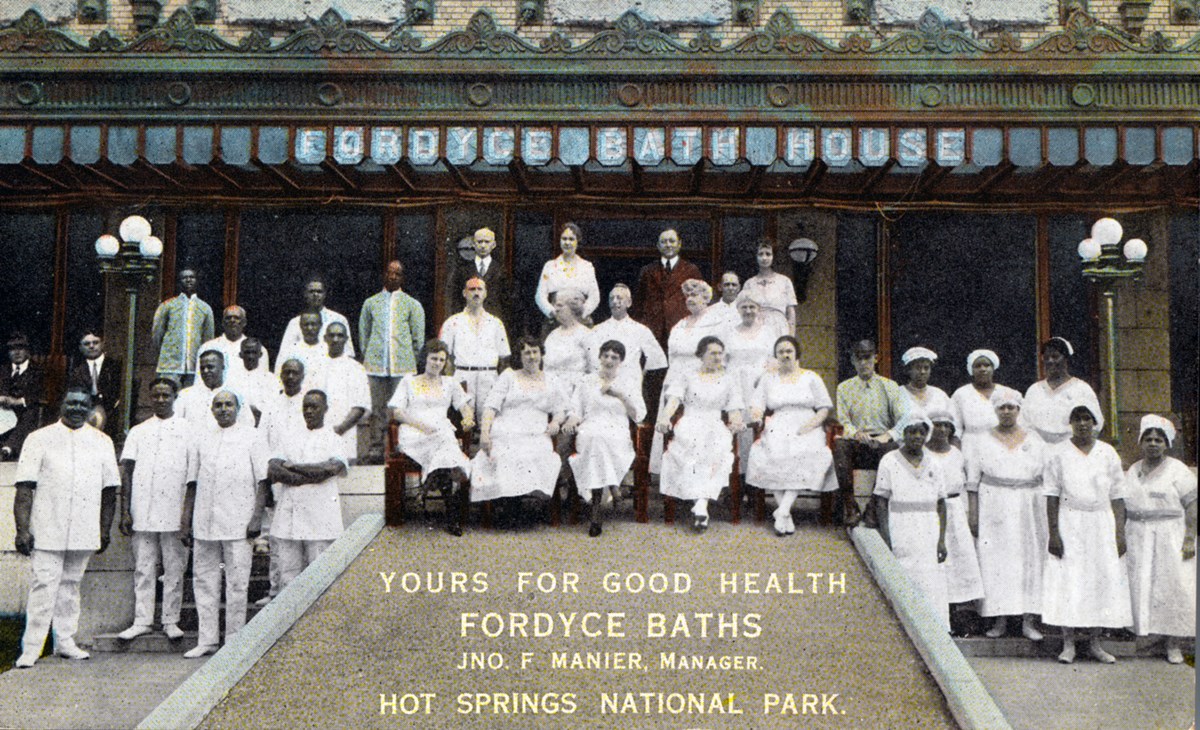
(833,429)
(735,478)
(397,466)
(641,435)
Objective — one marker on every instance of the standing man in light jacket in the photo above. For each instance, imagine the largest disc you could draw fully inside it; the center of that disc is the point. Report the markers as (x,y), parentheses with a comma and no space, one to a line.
(181,325)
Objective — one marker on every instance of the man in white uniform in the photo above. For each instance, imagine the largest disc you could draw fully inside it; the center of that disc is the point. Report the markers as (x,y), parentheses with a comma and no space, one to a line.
(257,385)
(308,470)
(637,338)
(282,415)
(227,490)
(229,343)
(195,401)
(315,292)
(344,381)
(478,343)
(726,305)
(66,497)
(310,350)
(154,474)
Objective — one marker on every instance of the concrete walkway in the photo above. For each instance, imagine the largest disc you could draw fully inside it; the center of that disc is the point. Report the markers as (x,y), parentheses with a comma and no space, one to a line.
(110,691)
(1133,694)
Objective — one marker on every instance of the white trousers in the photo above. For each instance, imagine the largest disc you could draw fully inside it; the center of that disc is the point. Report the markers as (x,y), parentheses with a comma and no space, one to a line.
(295,556)
(477,383)
(208,558)
(149,548)
(53,597)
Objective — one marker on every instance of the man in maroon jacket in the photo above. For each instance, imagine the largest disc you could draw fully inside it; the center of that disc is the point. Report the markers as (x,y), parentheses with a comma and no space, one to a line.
(659,303)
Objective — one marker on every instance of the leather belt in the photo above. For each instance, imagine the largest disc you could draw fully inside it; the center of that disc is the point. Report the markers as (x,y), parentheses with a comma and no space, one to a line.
(470,369)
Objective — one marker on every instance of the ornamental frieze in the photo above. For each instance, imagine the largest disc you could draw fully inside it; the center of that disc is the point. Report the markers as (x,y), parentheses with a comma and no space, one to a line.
(630,36)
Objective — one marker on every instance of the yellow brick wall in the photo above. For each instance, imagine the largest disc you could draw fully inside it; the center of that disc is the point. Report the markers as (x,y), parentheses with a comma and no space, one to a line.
(825,18)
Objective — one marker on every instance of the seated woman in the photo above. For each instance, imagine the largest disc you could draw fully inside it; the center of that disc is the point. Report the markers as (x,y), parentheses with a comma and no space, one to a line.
(910,500)
(1048,402)
(791,455)
(568,345)
(963,582)
(1084,584)
(567,271)
(1160,504)
(426,435)
(601,409)
(750,346)
(697,464)
(524,411)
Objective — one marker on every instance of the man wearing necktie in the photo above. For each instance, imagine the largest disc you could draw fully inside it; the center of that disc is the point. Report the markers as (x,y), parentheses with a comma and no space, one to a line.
(659,303)
(181,325)
(21,393)
(100,374)
(487,267)
(391,329)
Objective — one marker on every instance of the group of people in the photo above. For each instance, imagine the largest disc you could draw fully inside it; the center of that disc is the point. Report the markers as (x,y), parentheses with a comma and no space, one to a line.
(721,381)
(1052,525)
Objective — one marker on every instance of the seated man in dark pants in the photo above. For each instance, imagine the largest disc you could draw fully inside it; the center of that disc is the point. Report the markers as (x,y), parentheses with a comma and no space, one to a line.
(869,406)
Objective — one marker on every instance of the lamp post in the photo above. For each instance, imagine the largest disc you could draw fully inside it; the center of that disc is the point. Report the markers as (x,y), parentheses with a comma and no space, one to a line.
(1106,264)
(132,258)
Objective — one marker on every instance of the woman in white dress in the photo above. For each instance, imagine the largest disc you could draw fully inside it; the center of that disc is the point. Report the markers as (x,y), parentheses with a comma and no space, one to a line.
(774,292)
(1085,583)
(702,321)
(568,271)
(524,411)
(918,362)
(697,464)
(749,347)
(568,345)
(601,409)
(963,583)
(426,434)
(910,501)
(1007,514)
(1160,504)
(792,454)
(973,410)
(1049,402)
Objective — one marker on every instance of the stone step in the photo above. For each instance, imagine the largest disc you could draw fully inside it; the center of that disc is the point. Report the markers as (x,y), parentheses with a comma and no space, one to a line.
(152,643)
(1010,646)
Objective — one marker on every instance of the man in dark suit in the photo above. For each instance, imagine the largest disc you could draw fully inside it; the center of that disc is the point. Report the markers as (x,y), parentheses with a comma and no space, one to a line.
(21,393)
(100,374)
(659,303)
(491,270)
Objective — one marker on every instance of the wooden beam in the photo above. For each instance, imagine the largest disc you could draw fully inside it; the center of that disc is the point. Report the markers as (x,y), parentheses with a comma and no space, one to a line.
(217,169)
(812,178)
(32,169)
(874,178)
(1003,171)
(929,180)
(520,175)
(403,176)
(281,176)
(754,184)
(334,169)
(141,164)
(577,178)
(459,179)
(639,186)
(697,178)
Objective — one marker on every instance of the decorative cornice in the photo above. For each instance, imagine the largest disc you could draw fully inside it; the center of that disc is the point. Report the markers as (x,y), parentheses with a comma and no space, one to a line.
(631,37)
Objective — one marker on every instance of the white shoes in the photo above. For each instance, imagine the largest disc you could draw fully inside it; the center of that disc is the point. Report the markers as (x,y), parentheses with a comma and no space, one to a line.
(133,632)
(263,601)
(1068,653)
(173,631)
(1029,630)
(1098,653)
(68,650)
(1174,655)
(199,651)
(28,659)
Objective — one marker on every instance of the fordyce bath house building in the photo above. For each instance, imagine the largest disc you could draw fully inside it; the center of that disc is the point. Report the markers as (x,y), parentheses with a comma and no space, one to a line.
(947,157)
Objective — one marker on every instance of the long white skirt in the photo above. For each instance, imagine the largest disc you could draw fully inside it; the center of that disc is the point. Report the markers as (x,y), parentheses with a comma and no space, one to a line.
(523,460)
(1088,585)
(603,452)
(1012,549)
(433,451)
(914,543)
(1162,584)
(698,462)
(780,460)
(963,582)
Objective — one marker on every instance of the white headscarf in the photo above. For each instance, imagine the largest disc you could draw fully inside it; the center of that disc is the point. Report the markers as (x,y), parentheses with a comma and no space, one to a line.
(1151,420)
(914,417)
(975,355)
(918,353)
(1004,395)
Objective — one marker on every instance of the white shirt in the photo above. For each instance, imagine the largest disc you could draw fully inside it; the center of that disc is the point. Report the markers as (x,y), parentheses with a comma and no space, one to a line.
(70,468)
(558,274)
(292,335)
(309,511)
(727,310)
(637,339)
(312,357)
(160,449)
(195,405)
(1048,410)
(18,369)
(482,266)
(94,368)
(479,343)
(344,382)
(283,415)
(232,350)
(257,387)
(227,465)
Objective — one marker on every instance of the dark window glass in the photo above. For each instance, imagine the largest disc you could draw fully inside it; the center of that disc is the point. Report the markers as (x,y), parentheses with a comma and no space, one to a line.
(962,282)
(27,280)
(415,249)
(85,285)
(1185,311)
(536,243)
(740,247)
(1071,311)
(200,244)
(279,249)
(856,286)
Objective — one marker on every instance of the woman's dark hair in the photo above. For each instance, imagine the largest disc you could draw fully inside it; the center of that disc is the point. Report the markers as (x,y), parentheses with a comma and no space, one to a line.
(1083,409)
(522,342)
(430,347)
(702,345)
(574,228)
(790,339)
(1159,431)
(170,382)
(1057,344)
(613,346)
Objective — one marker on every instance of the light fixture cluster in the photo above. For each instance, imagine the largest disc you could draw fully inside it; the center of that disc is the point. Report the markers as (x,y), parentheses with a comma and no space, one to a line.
(1105,259)
(137,247)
